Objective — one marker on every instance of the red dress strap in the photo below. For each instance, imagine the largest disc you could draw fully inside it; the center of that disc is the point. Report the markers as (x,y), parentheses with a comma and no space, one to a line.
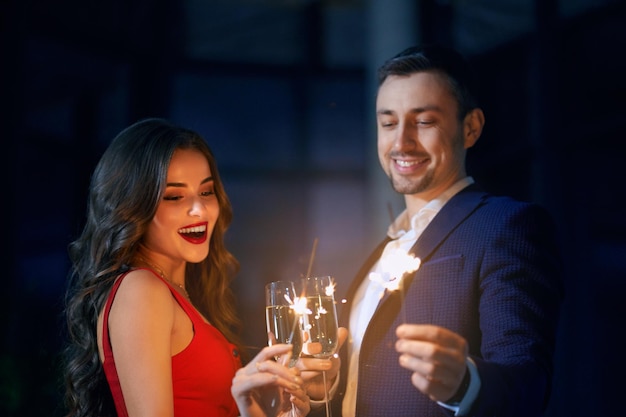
(109,364)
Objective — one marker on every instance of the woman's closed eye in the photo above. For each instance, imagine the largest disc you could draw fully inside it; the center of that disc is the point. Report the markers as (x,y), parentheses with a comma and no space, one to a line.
(172,197)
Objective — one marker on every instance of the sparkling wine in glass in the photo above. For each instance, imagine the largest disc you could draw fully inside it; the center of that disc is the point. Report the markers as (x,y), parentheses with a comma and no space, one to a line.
(282,318)
(319,321)
(283,326)
(320,318)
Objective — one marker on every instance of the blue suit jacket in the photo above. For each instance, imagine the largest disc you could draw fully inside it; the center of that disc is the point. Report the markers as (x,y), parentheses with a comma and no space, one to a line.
(491,271)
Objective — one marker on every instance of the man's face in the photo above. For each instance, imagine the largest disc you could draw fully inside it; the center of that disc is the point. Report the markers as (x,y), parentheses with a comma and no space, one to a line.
(420,139)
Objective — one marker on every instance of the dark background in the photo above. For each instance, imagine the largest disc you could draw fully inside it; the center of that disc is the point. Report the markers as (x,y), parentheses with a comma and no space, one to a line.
(283,92)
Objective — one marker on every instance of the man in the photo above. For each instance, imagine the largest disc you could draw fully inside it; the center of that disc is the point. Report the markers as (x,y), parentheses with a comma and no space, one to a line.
(471,330)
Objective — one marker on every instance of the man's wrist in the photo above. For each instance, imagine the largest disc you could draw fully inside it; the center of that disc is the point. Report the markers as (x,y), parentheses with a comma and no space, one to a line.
(460,393)
(471,391)
(331,393)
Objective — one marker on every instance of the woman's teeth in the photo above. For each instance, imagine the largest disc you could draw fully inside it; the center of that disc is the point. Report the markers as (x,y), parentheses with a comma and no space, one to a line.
(196,230)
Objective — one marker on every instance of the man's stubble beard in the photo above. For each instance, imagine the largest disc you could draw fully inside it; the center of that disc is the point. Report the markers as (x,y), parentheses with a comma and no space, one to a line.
(404,185)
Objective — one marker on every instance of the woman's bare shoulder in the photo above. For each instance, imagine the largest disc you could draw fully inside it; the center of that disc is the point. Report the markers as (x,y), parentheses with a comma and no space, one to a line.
(142,289)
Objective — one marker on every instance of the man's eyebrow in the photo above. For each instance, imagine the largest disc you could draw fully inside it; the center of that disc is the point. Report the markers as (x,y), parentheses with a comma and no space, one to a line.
(415,110)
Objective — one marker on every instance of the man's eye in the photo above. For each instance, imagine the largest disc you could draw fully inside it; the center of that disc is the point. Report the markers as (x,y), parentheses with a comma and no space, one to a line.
(425,122)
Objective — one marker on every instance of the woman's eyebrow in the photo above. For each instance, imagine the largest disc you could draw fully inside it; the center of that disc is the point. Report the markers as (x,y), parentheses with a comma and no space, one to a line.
(182,184)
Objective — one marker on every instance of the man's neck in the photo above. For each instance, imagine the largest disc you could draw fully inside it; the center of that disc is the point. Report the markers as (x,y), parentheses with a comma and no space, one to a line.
(415,202)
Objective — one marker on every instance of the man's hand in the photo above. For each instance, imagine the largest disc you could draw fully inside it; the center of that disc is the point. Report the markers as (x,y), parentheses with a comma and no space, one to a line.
(435,355)
(311,369)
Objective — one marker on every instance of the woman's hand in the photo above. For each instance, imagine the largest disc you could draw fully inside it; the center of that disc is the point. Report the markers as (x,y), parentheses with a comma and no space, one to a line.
(265,388)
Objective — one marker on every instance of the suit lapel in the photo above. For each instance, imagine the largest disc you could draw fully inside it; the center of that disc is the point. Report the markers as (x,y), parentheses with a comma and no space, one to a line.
(459,208)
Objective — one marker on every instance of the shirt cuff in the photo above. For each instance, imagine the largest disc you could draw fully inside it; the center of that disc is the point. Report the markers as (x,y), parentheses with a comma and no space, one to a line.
(463,407)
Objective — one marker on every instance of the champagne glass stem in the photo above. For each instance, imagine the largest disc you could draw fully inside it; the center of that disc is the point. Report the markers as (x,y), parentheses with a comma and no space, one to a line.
(328,413)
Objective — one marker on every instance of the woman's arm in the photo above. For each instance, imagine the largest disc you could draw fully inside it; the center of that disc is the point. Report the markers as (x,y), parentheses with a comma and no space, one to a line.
(141,322)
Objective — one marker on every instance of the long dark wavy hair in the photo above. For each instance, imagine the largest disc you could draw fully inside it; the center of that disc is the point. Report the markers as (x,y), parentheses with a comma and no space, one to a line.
(125,189)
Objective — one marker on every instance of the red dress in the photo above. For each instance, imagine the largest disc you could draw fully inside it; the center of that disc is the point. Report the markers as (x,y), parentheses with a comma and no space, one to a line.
(202,373)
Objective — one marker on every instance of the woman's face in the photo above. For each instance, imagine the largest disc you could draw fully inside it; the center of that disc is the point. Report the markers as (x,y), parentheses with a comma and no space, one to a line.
(182,226)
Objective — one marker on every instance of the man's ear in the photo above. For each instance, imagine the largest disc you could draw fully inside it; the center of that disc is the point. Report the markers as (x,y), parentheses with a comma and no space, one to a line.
(473,127)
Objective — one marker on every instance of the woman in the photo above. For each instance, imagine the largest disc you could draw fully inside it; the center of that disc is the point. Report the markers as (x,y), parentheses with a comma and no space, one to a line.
(150,313)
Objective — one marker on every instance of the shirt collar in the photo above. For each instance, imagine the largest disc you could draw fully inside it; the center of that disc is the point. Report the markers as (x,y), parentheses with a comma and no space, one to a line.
(402,224)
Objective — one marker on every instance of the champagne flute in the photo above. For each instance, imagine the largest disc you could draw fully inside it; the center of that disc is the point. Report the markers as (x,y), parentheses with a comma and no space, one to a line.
(281,317)
(319,322)
(283,323)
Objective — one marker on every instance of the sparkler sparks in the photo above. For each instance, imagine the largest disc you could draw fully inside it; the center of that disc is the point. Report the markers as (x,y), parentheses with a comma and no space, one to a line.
(395,265)
(330,289)
(298,305)
(321,310)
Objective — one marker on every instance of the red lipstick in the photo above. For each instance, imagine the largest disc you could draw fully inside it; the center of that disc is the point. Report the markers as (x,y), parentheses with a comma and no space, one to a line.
(194,233)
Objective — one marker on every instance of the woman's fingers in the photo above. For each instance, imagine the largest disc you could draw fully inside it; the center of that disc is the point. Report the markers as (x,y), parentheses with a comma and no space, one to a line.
(300,400)
(263,370)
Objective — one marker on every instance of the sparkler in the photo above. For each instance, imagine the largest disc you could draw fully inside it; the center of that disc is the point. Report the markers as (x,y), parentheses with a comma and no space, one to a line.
(330,288)
(298,305)
(305,313)
(395,266)
(308,272)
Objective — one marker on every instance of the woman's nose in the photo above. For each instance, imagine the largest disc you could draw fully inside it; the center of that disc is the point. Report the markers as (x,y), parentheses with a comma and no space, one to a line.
(197,207)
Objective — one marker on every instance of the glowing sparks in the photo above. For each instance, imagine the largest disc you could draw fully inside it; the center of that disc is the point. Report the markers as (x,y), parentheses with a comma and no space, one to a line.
(298,305)
(321,310)
(395,265)
(330,288)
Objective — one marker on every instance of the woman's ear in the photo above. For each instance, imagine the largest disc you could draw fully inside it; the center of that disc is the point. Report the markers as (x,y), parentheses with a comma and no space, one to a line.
(473,127)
